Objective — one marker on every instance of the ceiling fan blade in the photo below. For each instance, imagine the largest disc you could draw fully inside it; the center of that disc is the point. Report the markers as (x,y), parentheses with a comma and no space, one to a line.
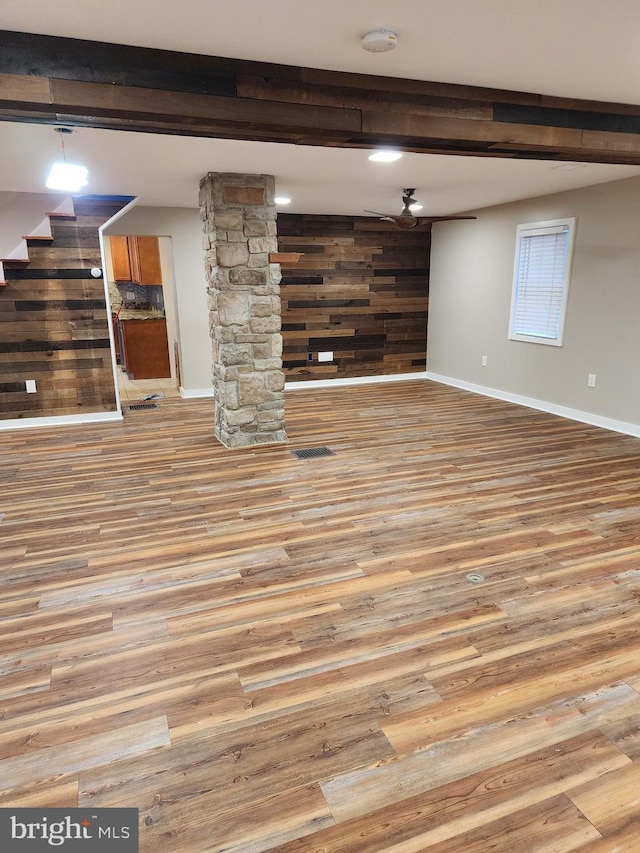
(382,215)
(427,220)
(387,217)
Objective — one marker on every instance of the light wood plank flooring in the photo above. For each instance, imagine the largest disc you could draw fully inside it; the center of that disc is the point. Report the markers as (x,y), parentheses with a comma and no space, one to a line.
(268,654)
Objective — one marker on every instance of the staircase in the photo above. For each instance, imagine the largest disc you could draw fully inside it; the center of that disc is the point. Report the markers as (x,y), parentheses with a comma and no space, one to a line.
(55,352)
(41,235)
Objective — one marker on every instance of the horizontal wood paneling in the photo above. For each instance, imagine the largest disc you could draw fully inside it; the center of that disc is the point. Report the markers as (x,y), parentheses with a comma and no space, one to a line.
(54,325)
(360,290)
(53,80)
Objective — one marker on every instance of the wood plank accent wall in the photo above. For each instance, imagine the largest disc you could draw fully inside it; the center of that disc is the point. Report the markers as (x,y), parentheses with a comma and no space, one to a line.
(360,290)
(54,324)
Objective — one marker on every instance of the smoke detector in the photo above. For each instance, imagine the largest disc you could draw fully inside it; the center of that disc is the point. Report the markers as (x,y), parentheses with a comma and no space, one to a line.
(378,41)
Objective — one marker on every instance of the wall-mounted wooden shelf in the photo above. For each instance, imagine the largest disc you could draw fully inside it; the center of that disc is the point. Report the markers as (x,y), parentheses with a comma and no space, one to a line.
(285,257)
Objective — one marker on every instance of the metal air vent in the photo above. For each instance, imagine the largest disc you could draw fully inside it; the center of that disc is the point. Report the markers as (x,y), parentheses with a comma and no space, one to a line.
(312,452)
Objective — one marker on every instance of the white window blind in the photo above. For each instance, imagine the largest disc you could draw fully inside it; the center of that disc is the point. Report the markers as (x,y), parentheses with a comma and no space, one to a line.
(540,281)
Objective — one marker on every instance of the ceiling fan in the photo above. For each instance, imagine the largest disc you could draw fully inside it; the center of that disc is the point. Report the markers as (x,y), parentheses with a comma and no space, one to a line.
(406,219)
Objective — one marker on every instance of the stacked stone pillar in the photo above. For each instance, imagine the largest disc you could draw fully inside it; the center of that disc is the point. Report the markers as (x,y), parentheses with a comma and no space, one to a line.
(239,221)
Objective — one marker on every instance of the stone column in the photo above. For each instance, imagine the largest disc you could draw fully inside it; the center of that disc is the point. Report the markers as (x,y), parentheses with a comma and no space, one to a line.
(239,220)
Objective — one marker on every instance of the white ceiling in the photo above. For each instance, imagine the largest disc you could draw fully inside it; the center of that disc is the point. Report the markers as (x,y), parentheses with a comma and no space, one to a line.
(576,48)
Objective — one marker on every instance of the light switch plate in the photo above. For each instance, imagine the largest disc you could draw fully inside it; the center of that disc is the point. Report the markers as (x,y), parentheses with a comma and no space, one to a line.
(30,385)
(325,356)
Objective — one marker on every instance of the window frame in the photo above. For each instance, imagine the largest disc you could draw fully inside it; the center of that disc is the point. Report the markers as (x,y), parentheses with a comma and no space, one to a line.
(533,229)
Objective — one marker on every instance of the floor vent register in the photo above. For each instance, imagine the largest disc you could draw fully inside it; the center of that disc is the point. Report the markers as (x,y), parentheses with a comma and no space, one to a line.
(312,452)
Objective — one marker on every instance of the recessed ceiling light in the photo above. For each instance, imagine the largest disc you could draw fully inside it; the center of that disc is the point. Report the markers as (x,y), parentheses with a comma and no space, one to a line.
(67,177)
(385,156)
(282,199)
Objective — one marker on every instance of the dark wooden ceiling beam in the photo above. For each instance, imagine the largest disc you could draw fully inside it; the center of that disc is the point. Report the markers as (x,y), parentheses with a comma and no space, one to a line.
(46,79)
(132,101)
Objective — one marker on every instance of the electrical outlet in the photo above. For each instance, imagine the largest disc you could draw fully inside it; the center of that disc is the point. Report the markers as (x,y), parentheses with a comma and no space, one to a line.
(484,361)
(591,380)
(30,386)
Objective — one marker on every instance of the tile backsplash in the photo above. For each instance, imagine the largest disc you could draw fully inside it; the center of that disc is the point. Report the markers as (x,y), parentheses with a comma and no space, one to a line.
(136,301)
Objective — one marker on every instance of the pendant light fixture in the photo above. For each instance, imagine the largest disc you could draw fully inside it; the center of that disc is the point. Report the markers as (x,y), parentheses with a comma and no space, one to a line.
(68,177)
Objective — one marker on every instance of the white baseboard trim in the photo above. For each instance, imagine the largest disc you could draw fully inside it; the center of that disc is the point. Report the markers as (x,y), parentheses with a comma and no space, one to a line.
(62,420)
(194,393)
(355,380)
(541,405)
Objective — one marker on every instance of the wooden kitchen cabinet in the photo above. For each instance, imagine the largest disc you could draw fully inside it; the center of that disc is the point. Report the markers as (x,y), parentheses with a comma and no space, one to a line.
(120,258)
(147,254)
(144,348)
(136,260)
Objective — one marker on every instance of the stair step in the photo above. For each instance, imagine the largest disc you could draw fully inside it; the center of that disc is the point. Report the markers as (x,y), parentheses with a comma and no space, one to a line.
(54,215)
(14,262)
(35,238)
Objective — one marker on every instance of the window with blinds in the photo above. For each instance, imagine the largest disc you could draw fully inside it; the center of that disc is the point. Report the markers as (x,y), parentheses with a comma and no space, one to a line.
(541,281)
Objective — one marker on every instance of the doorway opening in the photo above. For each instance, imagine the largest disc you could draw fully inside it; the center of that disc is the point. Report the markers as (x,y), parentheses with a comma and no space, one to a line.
(139,272)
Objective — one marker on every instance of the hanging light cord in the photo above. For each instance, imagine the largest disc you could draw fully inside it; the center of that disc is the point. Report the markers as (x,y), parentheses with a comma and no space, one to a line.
(63,131)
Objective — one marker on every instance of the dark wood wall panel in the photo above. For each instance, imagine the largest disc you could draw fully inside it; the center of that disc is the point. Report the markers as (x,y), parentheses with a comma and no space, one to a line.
(359,290)
(54,323)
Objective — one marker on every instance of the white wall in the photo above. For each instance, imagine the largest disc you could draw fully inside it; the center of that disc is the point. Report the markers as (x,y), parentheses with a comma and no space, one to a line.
(470,296)
(20,213)
(184,227)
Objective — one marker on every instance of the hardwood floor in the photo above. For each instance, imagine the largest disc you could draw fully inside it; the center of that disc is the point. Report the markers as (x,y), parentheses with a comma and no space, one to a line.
(263,653)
